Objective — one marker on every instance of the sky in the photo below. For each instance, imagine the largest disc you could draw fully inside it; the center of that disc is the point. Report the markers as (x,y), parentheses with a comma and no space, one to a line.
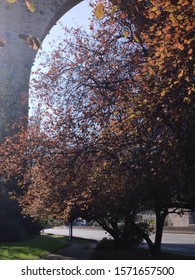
(77,16)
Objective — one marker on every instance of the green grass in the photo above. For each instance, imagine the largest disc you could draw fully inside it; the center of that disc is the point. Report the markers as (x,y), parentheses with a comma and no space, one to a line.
(31,249)
(39,246)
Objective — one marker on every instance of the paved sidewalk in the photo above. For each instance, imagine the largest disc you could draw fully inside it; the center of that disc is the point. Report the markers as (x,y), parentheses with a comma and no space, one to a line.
(76,251)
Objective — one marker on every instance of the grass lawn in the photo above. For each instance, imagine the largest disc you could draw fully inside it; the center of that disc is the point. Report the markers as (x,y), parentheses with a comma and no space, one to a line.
(39,246)
(31,249)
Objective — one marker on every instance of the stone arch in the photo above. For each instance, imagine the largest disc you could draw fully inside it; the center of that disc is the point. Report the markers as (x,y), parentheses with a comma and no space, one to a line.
(16,58)
(62,11)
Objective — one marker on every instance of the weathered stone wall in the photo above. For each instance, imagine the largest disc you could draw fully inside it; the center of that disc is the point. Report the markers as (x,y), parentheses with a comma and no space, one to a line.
(16,58)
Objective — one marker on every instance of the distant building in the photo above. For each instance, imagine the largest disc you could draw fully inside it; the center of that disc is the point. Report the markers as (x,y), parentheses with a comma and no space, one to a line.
(187,219)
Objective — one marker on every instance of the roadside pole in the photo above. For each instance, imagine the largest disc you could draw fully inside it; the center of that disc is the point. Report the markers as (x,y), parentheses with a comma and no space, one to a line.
(70,231)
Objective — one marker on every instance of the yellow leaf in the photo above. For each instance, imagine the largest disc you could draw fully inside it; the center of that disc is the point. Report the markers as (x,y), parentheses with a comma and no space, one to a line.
(157,54)
(187,79)
(158,33)
(181,74)
(179,17)
(132,116)
(163,93)
(30,6)
(171,8)
(114,9)
(154,9)
(180,46)
(11,1)
(152,15)
(125,33)
(188,42)
(99,11)
(33,42)
(136,39)
(36,43)
(149,129)
(173,19)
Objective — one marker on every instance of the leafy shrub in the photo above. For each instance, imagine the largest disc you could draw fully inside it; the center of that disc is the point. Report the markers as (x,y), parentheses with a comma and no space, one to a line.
(11,231)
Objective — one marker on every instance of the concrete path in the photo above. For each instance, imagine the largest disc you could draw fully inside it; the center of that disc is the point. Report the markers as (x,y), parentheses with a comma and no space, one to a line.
(75,251)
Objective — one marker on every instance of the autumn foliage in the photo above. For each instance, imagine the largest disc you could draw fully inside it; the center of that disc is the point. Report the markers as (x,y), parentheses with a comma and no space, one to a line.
(112,134)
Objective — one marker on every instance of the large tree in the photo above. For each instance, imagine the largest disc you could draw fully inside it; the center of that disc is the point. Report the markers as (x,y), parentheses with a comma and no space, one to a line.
(113,129)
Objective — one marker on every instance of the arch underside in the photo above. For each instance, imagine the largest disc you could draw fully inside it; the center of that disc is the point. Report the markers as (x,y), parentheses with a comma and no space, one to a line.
(17,58)
(68,5)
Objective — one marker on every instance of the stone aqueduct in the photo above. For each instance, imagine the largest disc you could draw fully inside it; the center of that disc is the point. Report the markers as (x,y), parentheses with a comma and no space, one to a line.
(16,58)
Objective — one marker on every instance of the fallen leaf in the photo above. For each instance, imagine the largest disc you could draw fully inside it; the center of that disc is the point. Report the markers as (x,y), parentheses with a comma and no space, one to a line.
(30,6)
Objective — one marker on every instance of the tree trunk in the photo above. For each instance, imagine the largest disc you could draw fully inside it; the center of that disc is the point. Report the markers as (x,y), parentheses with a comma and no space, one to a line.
(160,218)
(145,236)
(114,232)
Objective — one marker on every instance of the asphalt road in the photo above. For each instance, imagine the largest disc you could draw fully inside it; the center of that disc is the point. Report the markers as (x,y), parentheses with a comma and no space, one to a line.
(87,233)
(178,243)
